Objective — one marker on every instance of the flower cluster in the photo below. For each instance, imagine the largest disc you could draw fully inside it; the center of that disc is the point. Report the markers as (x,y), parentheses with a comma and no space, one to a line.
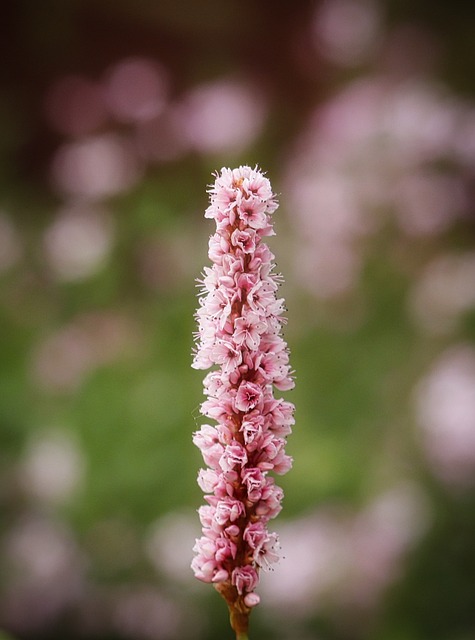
(239,322)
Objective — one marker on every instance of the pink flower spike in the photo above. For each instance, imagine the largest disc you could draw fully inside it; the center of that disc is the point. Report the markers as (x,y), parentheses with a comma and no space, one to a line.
(248,330)
(239,334)
(234,455)
(228,355)
(228,510)
(207,480)
(252,211)
(249,395)
(244,240)
(245,579)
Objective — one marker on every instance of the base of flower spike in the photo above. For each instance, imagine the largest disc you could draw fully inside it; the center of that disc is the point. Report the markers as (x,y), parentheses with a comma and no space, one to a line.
(238,611)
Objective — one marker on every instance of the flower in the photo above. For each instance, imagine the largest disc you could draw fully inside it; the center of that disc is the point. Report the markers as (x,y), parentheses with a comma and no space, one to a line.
(239,333)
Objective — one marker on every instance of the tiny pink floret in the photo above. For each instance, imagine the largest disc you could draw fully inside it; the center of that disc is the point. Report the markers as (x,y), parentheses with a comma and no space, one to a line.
(239,333)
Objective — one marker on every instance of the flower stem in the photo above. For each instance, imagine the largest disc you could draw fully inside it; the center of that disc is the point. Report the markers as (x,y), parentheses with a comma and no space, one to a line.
(239,619)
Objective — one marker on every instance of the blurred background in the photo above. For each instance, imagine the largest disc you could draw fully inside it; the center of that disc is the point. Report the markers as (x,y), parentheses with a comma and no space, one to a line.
(113,115)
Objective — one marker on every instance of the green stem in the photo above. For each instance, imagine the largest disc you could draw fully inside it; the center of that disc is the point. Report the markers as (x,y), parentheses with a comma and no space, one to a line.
(239,622)
(238,611)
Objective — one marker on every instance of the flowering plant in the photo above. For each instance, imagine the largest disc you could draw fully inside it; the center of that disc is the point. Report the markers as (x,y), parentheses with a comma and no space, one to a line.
(239,322)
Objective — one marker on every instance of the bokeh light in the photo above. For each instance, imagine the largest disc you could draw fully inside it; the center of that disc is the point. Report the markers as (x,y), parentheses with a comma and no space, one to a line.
(136,89)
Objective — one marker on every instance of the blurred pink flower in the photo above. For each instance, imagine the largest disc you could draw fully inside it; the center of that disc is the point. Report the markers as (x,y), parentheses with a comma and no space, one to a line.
(375,150)
(444,292)
(61,362)
(96,167)
(225,115)
(344,559)
(347,32)
(445,409)
(136,89)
